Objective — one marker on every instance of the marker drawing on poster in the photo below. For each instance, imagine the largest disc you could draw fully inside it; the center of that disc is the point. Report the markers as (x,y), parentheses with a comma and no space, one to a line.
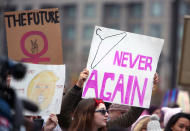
(122,66)
(98,58)
(44,86)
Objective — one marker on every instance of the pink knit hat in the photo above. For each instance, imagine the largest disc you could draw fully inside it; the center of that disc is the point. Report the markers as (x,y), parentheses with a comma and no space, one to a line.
(169,112)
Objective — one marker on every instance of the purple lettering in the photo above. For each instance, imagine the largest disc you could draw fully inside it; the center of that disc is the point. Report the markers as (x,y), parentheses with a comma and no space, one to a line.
(128,91)
(125,58)
(148,63)
(132,64)
(92,84)
(119,87)
(142,61)
(117,58)
(106,76)
(140,96)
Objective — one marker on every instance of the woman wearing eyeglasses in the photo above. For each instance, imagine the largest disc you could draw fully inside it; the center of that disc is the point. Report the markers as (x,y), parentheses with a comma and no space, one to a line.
(90,114)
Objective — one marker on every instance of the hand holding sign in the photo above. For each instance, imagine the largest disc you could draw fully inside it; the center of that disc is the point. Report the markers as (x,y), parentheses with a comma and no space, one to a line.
(156,79)
(82,78)
(51,122)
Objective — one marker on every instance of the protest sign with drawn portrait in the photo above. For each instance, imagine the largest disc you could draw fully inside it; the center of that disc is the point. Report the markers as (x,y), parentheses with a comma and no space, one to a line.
(43,85)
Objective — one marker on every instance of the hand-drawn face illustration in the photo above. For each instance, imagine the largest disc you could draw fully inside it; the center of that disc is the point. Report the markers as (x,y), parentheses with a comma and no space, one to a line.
(41,88)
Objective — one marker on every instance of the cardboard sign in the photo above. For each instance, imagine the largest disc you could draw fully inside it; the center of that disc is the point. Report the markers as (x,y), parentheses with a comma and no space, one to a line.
(122,66)
(34,36)
(43,84)
(184,71)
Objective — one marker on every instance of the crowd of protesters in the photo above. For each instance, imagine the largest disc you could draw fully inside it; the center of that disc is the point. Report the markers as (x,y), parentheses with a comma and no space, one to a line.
(93,114)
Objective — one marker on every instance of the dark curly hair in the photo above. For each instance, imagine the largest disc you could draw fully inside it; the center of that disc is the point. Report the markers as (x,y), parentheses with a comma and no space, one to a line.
(174,119)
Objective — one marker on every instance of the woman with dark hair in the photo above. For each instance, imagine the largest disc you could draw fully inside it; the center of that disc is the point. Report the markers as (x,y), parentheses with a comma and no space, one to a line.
(154,110)
(179,122)
(90,114)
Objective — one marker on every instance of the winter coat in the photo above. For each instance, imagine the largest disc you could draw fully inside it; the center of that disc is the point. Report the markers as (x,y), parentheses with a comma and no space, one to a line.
(73,97)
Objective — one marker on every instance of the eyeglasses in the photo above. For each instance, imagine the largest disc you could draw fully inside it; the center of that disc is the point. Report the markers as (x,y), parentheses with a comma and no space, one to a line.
(103,112)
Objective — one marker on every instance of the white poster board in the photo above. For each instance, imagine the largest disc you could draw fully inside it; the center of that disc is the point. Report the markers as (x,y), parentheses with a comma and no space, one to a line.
(43,84)
(122,66)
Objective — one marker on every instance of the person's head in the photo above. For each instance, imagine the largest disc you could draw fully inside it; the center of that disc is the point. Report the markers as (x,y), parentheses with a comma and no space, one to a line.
(32,123)
(141,123)
(147,123)
(154,124)
(31,118)
(154,110)
(89,114)
(169,112)
(178,122)
(115,110)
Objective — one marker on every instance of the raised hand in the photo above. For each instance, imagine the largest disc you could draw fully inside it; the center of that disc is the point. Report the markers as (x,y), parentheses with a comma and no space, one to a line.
(82,78)
(156,79)
(51,123)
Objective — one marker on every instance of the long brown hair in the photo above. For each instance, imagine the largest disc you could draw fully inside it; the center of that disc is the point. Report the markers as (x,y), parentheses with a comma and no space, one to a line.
(84,116)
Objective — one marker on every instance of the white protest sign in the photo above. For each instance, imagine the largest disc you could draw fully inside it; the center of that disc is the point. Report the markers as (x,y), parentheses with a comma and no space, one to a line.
(121,67)
(43,84)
